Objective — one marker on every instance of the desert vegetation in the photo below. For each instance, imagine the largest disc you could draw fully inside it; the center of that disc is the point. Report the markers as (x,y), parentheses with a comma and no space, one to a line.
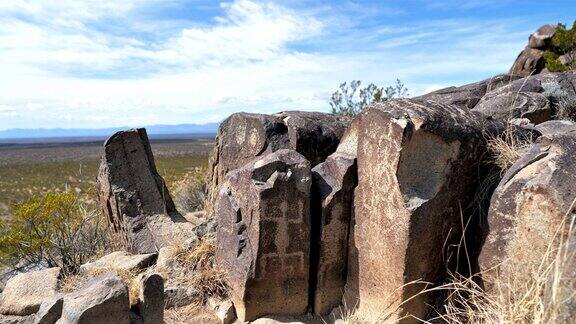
(562,54)
(351,98)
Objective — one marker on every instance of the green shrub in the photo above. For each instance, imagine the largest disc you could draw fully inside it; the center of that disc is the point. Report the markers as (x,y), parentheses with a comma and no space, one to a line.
(564,40)
(553,64)
(52,230)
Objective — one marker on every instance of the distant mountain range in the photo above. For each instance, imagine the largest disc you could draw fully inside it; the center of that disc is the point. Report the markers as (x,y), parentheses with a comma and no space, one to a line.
(152,130)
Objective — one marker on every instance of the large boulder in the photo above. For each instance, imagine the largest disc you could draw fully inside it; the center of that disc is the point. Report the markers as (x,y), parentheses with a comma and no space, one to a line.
(242,137)
(151,298)
(467,96)
(25,292)
(531,208)
(530,61)
(263,212)
(102,300)
(417,172)
(121,260)
(332,198)
(542,38)
(530,105)
(134,197)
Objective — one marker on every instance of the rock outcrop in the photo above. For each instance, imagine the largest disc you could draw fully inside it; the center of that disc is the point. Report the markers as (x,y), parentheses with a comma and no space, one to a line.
(531,60)
(151,298)
(242,137)
(532,206)
(120,260)
(417,166)
(332,198)
(263,210)
(25,292)
(134,196)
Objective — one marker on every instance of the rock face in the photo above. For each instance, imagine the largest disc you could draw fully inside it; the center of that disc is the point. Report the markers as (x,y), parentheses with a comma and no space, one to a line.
(25,292)
(531,60)
(263,211)
(134,196)
(532,200)
(102,300)
(151,299)
(332,198)
(242,137)
(50,311)
(533,106)
(417,167)
(467,96)
(121,260)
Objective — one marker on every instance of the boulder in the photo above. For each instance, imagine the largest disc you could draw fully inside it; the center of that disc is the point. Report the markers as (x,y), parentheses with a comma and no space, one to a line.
(102,300)
(529,84)
(333,183)
(25,292)
(50,311)
(533,106)
(530,61)
(542,38)
(151,298)
(417,172)
(180,296)
(224,310)
(263,212)
(14,319)
(134,196)
(467,96)
(121,260)
(242,137)
(529,211)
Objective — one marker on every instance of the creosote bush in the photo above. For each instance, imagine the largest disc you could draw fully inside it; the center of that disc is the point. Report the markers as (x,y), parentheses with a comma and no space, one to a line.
(563,43)
(53,230)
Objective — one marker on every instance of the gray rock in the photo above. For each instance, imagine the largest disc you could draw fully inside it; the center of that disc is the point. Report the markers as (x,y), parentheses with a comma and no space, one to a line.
(102,300)
(134,196)
(14,319)
(333,187)
(263,214)
(121,260)
(556,127)
(25,292)
(151,299)
(242,137)
(533,106)
(180,296)
(50,311)
(542,38)
(530,61)
(467,96)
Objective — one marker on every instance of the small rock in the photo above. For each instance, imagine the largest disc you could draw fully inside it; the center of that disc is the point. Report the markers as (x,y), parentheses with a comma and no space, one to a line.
(224,310)
(102,300)
(50,311)
(25,292)
(121,260)
(151,300)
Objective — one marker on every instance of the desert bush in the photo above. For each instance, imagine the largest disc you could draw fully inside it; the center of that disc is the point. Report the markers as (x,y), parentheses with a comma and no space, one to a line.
(351,99)
(53,230)
(553,63)
(189,192)
(563,43)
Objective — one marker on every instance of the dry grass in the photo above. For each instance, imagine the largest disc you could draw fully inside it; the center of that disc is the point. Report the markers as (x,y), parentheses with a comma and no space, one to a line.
(507,148)
(189,192)
(194,313)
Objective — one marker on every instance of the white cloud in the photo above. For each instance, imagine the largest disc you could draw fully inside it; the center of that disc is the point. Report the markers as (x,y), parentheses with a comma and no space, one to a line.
(62,69)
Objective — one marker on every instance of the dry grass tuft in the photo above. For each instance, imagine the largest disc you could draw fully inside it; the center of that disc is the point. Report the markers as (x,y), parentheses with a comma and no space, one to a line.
(507,148)
(189,192)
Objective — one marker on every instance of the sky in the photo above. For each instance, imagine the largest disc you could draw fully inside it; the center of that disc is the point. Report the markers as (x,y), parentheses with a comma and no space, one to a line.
(94,64)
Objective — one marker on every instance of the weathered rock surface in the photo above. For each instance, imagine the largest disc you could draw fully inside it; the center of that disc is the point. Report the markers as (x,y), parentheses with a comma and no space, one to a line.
(467,96)
(533,106)
(531,60)
(529,205)
(180,296)
(224,310)
(134,196)
(242,137)
(121,260)
(25,292)
(151,299)
(50,311)
(102,300)
(332,199)
(417,169)
(263,211)
(14,319)
(541,38)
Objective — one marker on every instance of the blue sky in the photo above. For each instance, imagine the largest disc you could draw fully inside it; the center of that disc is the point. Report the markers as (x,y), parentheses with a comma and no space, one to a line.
(92,64)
